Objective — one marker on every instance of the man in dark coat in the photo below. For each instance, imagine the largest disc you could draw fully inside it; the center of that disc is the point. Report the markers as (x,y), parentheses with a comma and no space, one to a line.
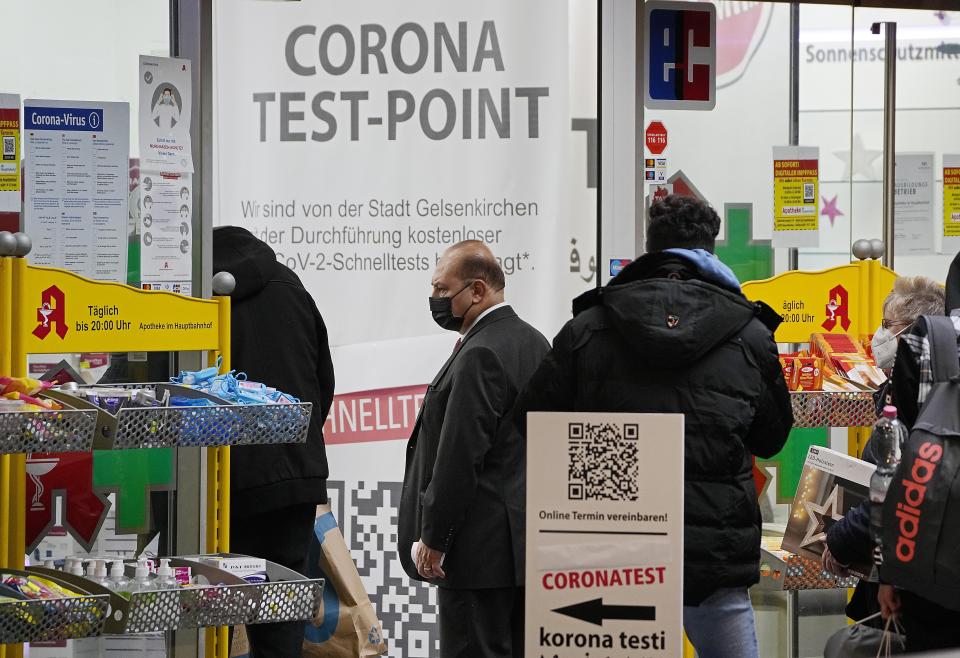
(461,524)
(672,333)
(278,338)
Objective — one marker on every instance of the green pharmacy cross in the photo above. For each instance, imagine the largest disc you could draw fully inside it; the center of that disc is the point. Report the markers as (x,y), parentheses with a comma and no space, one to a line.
(750,260)
(132,475)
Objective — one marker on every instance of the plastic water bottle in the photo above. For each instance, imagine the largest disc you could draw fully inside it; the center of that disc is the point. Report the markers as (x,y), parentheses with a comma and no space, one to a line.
(165,578)
(888,437)
(118,582)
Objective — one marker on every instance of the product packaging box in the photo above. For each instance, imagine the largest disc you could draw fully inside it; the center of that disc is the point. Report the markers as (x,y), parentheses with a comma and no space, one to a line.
(251,569)
(831,484)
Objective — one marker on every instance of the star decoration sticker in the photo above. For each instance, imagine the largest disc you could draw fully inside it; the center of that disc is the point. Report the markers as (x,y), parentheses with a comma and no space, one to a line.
(859,160)
(830,208)
(822,517)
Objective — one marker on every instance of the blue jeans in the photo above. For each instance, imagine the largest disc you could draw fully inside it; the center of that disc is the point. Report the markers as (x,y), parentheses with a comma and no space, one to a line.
(722,626)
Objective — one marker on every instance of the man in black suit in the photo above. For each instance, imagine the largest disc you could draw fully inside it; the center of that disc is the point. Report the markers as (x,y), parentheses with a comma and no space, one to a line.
(461,523)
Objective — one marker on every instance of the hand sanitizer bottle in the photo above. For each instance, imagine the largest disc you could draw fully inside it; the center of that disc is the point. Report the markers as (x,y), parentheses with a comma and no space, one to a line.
(119,583)
(100,576)
(142,581)
(165,578)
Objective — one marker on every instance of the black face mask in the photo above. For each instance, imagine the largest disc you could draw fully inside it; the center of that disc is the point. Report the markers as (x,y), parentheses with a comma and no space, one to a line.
(442,310)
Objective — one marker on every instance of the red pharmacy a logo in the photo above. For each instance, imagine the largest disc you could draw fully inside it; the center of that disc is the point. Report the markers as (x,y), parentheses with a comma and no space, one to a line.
(837,309)
(52,312)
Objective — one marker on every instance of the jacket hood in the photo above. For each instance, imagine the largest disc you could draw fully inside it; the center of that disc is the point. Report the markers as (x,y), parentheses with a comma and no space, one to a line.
(249,260)
(709,268)
(671,322)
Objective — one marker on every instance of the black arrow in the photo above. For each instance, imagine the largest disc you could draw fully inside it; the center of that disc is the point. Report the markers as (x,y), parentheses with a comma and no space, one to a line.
(594,612)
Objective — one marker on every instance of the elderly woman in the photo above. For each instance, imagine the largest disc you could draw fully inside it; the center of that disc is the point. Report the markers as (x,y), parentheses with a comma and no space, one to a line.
(848,541)
(929,626)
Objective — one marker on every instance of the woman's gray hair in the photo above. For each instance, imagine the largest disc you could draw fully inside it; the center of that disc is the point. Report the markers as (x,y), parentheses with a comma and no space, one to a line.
(912,297)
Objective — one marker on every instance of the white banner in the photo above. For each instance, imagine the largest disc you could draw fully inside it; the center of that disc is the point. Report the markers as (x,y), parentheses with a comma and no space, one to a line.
(360,140)
(361,148)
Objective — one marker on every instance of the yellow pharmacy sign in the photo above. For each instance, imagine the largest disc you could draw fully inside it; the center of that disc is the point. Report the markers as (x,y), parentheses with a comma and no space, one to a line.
(795,194)
(846,299)
(951,201)
(63,312)
(10,148)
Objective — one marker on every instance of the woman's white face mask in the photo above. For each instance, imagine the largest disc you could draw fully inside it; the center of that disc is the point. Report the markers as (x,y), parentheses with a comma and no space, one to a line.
(884,346)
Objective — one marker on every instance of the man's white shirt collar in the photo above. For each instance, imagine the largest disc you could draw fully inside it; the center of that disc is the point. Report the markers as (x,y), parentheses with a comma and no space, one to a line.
(482,316)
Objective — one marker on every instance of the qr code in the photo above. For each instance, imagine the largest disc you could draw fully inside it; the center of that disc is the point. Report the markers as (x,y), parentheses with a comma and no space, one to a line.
(808,194)
(9,147)
(407,609)
(603,461)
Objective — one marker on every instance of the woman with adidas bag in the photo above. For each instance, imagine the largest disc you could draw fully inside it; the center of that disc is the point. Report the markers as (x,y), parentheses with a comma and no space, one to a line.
(848,541)
(922,511)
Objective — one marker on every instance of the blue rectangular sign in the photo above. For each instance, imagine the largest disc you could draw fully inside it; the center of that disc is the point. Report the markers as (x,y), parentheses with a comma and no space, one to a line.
(681,55)
(63,118)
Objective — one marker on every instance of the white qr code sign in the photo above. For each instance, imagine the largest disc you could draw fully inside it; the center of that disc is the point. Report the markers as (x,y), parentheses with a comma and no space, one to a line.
(604,571)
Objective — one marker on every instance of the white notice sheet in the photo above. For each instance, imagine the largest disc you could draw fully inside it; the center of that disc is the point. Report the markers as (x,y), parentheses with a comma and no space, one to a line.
(77,158)
(913,205)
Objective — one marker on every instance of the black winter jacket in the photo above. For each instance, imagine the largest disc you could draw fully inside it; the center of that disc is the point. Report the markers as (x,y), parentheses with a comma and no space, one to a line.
(718,366)
(278,338)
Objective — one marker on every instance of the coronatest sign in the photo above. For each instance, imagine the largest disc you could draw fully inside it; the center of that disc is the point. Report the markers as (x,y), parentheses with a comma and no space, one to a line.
(604,535)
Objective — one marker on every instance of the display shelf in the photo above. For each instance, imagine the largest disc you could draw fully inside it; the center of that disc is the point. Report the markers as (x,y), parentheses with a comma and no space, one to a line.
(782,570)
(50,620)
(81,426)
(821,409)
(67,430)
(288,596)
(222,424)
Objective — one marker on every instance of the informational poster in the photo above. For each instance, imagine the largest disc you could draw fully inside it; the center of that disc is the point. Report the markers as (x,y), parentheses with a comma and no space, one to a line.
(604,570)
(412,152)
(913,203)
(77,158)
(951,202)
(9,153)
(166,258)
(165,98)
(459,127)
(796,196)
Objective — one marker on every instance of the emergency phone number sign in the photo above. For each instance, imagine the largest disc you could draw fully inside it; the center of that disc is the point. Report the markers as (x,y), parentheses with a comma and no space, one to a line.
(604,572)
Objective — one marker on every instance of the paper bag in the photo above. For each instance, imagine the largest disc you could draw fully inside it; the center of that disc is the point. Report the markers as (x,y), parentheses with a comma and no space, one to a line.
(347,625)
(239,645)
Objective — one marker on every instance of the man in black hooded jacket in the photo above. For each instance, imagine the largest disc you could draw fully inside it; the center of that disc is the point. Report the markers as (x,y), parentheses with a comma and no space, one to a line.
(672,333)
(277,337)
